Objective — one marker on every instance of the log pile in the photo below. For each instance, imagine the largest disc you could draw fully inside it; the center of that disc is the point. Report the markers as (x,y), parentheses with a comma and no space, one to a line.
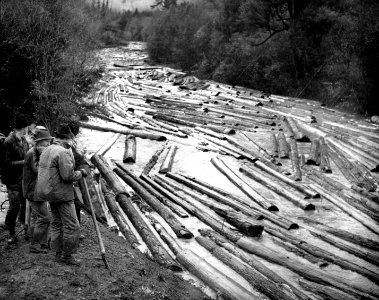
(292,186)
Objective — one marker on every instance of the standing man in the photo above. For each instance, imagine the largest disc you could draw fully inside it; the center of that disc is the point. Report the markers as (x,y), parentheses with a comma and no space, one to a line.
(40,213)
(56,175)
(16,147)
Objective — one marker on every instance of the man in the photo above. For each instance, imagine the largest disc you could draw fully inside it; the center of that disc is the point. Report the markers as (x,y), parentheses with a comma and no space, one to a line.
(15,147)
(40,213)
(56,175)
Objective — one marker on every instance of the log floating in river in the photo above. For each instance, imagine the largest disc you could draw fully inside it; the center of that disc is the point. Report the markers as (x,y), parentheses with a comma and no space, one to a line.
(130,152)
(283,148)
(294,154)
(153,160)
(168,160)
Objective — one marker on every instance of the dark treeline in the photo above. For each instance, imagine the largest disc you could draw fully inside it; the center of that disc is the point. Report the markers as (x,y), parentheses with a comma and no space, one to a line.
(322,49)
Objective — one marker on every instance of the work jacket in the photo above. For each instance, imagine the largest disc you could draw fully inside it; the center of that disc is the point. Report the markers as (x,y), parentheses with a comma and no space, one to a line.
(56,173)
(15,151)
(29,178)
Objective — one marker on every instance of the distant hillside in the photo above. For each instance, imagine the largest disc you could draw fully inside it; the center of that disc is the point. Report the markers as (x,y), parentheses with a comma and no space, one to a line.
(136,4)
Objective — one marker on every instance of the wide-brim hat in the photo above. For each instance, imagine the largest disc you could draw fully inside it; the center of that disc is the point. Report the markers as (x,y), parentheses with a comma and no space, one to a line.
(42,135)
(64,132)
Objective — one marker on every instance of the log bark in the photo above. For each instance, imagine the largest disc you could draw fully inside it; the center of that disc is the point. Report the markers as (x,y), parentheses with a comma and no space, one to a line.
(324,157)
(283,148)
(157,250)
(242,185)
(294,154)
(153,160)
(247,207)
(279,189)
(169,160)
(314,154)
(138,133)
(130,152)
(110,200)
(255,278)
(104,149)
(245,224)
(134,182)
(306,271)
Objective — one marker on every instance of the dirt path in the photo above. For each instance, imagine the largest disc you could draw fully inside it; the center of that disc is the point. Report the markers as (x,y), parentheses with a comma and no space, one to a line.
(37,276)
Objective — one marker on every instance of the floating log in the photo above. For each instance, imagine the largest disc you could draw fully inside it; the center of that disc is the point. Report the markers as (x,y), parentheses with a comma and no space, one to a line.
(221,283)
(104,149)
(322,253)
(255,278)
(314,154)
(277,188)
(169,160)
(130,149)
(242,185)
(283,148)
(273,145)
(324,291)
(298,134)
(110,200)
(247,207)
(310,273)
(211,133)
(295,160)
(324,157)
(137,133)
(220,129)
(134,182)
(108,175)
(246,225)
(153,160)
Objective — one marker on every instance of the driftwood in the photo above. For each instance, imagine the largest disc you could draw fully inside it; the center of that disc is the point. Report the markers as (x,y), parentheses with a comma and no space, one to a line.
(130,149)
(168,160)
(153,160)
(110,200)
(324,157)
(247,207)
(218,281)
(295,160)
(104,149)
(306,271)
(245,224)
(138,133)
(134,182)
(314,154)
(248,190)
(283,147)
(277,188)
(254,277)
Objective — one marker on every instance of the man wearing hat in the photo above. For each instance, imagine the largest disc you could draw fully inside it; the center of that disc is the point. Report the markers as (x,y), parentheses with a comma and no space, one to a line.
(56,175)
(40,215)
(16,147)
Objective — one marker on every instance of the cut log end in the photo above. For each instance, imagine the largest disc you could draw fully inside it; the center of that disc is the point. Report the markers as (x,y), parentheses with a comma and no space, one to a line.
(175,268)
(162,138)
(129,160)
(273,208)
(185,234)
(309,207)
(293,226)
(254,230)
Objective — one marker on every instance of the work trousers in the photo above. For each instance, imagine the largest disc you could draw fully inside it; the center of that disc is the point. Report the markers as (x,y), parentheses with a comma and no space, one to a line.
(40,222)
(16,207)
(64,229)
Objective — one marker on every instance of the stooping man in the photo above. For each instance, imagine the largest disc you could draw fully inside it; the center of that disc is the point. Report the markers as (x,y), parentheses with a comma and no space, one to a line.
(56,175)
(40,215)
(15,148)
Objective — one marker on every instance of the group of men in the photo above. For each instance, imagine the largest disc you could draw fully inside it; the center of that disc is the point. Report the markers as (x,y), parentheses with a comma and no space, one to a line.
(41,172)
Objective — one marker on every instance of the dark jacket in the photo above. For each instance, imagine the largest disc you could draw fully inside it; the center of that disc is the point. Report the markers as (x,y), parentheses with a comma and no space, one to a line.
(15,151)
(56,173)
(29,178)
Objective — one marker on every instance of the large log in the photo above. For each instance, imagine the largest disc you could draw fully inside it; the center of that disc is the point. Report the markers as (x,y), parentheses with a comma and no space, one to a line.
(218,281)
(277,188)
(245,224)
(314,154)
(247,207)
(138,133)
(134,182)
(298,134)
(283,148)
(255,278)
(130,152)
(308,272)
(110,200)
(168,160)
(153,160)
(242,185)
(294,154)
(104,149)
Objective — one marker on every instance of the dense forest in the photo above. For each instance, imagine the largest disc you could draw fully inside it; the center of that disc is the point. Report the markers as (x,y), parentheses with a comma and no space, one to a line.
(321,49)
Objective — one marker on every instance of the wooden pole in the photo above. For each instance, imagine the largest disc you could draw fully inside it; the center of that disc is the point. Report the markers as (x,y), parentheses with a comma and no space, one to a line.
(134,182)
(242,185)
(169,159)
(130,152)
